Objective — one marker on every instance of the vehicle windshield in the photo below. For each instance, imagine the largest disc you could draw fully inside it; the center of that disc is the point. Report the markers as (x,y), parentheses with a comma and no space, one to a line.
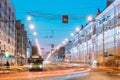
(36,61)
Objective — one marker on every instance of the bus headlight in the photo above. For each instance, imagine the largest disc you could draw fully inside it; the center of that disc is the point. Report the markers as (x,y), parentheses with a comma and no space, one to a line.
(40,66)
(30,66)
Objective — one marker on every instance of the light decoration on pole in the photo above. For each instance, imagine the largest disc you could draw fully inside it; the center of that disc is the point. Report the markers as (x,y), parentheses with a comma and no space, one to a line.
(77,29)
(31,27)
(28,18)
(72,34)
(63,42)
(34,33)
(90,18)
(66,39)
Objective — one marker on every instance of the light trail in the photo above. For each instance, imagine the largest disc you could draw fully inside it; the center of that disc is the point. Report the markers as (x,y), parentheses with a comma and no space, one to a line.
(38,46)
(43,74)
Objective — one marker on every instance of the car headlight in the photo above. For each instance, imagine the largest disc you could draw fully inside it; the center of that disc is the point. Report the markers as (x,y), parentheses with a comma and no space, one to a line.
(30,66)
(40,66)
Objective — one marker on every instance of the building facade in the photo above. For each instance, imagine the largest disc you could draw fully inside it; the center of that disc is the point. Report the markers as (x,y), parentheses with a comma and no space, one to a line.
(21,43)
(7,30)
(99,40)
(29,49)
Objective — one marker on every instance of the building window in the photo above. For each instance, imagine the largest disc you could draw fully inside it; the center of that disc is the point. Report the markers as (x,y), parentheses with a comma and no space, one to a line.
(0,15)
(4,47)
(5,3)
(0,5)
(8,40)
(18,34)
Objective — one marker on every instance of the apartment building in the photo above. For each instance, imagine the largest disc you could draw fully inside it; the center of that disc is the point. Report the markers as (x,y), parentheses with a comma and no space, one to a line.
(21,43)
(99,40)
(7,30)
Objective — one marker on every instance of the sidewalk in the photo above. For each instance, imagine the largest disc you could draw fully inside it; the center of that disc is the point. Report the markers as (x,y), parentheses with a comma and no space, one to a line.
(73,65)
(12,69)
(107,69)
(110,69)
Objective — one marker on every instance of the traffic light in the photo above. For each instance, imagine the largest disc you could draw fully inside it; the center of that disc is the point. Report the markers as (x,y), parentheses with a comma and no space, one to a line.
(65,19)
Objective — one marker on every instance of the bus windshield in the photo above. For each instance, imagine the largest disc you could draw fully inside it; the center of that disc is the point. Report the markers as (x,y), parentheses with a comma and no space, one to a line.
(35,60)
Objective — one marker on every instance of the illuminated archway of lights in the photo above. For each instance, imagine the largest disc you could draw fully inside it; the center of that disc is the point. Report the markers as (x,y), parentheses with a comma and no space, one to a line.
(38,46)
(48,57)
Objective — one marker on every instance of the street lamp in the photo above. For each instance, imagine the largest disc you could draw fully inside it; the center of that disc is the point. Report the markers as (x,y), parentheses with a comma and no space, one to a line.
(90,18)
(31,27)
(66,39)
(34,33)
(77,29)
(28,18)
(72,34)
(63,42)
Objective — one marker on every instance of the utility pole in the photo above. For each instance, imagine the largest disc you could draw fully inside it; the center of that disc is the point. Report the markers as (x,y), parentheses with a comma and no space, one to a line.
(103,45)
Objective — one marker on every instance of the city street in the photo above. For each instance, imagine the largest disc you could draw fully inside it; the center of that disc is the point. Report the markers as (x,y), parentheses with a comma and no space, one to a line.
(63,71)
(59,39)
(49,75)
(50,72)
(66,74)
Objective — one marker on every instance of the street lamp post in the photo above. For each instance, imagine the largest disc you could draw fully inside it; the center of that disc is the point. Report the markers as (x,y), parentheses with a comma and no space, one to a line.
(103,45)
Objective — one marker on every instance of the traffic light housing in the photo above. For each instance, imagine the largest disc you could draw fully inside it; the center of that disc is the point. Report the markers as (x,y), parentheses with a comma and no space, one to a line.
(64,18)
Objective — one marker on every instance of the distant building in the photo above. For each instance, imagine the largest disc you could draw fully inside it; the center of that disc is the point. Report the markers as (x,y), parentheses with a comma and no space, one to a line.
(21,43)
(24,46)
(29,48)
(34,50)
(7,30)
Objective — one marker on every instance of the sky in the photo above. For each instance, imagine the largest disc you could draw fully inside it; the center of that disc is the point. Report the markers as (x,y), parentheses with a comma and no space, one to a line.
(43,12)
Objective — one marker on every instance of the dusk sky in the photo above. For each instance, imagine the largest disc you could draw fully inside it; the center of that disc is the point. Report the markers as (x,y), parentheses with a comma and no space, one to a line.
(44,25)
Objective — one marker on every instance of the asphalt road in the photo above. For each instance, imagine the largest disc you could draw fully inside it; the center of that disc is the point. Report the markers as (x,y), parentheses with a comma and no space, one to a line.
(98,76)
(44,75)
(66,74)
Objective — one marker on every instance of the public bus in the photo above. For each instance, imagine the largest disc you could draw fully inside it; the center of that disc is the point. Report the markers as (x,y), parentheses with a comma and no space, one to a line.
(35,63)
